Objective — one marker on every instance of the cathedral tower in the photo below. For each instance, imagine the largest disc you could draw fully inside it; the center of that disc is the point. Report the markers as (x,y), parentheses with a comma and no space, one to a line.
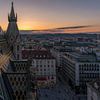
(12,34)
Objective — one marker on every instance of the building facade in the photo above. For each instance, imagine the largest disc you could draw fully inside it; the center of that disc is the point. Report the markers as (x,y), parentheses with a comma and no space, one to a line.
(43,66)
(80,68)
(16,80)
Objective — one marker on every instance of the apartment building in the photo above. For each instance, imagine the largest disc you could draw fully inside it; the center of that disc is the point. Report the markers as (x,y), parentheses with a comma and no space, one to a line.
(43,66)
(80,68)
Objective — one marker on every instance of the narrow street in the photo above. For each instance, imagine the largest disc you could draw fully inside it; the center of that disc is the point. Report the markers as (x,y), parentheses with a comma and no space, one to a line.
(59,92)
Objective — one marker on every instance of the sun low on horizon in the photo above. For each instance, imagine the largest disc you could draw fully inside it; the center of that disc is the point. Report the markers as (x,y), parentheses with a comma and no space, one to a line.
(51,14)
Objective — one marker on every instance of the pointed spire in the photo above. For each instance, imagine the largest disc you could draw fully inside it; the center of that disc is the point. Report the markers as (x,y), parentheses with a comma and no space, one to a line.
(11,16)
(12,3)
(12,34)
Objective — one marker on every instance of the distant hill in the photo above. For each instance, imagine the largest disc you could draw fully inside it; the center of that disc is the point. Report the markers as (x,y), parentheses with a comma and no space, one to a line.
(48,32)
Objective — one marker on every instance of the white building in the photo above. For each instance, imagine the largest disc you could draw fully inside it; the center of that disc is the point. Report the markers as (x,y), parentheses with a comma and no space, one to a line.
(93,90)
(57,52)
(80,68)
(43,66)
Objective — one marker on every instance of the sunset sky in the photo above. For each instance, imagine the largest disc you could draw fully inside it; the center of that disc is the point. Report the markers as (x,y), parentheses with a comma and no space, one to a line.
(48,14)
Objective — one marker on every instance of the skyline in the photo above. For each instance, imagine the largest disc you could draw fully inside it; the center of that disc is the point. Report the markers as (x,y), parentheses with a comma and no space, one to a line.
(51,14)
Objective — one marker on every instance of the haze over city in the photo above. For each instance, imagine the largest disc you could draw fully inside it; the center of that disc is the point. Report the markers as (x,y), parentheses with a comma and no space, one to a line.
(78,15)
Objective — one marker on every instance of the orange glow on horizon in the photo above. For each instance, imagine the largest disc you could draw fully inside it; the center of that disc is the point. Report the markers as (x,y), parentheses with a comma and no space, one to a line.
(39,26)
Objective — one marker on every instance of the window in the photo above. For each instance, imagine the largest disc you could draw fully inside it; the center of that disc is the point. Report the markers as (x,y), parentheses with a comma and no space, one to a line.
(18,97)
(20,92)
(16,83)
(52,77)
(40,65)
(18,78)
(24,92)
(30,47)
(12,83)
(16,92)
(14,78)
(20,83)
(11,78)
(23,79)
(24,83)
(52,66)
(23,97)
(18,48)
(48,62)
(48,77)
(17,56)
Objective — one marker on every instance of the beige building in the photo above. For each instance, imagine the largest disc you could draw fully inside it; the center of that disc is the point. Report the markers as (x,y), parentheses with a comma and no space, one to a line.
(43,66)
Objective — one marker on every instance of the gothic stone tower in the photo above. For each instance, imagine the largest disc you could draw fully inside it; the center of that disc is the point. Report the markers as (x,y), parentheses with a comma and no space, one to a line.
(12,35)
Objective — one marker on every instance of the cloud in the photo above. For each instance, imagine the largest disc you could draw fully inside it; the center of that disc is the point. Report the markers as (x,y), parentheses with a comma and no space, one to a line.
(75,27)
(72,29)
(62,29)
